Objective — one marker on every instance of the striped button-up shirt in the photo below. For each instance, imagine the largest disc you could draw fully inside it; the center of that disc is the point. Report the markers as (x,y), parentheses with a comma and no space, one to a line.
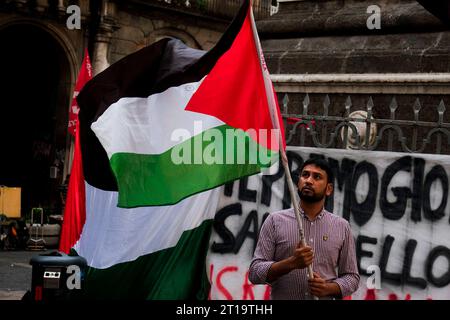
(334,253)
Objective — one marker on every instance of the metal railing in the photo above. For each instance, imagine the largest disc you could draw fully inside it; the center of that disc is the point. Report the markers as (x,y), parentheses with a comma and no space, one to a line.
(37,4)
(225,9)
(218,8)
(387,126)
(44,7)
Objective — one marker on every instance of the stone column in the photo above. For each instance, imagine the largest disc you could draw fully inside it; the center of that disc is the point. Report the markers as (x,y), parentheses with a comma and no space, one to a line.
(61,8)
(100,60)
(103,36)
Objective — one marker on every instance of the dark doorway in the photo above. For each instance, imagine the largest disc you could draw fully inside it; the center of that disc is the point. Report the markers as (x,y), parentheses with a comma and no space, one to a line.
(32,119)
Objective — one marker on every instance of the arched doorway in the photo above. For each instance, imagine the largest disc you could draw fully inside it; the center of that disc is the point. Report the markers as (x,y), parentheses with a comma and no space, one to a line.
(34,89)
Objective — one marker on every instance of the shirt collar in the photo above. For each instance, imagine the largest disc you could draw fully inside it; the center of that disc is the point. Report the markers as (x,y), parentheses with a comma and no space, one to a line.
(318,217)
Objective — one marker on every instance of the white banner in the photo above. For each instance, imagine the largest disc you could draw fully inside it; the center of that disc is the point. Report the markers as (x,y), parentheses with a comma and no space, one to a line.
(396,204)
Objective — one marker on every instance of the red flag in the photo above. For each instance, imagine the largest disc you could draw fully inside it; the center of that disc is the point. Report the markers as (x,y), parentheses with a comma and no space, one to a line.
(75,209)
(84,76)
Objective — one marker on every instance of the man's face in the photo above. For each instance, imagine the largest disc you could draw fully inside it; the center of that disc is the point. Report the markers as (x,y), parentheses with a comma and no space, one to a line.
(313,184)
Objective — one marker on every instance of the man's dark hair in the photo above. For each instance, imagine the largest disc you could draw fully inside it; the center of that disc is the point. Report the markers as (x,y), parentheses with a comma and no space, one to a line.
(322,164)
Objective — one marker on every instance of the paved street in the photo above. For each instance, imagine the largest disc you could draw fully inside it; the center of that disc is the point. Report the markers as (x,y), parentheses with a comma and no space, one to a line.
(15,273)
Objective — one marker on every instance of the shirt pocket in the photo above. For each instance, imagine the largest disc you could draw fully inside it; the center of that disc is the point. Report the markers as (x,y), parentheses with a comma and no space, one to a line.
(327,252)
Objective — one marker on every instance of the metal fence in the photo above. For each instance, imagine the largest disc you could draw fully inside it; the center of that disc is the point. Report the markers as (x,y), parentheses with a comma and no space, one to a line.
(47,8)
(218,8)
(386,125)
(226,9)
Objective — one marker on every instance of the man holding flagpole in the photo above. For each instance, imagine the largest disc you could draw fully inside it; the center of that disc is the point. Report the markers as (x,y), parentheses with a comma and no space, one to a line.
(281,260)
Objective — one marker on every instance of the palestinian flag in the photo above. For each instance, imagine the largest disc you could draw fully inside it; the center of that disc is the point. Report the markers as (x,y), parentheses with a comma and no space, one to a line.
(160,131)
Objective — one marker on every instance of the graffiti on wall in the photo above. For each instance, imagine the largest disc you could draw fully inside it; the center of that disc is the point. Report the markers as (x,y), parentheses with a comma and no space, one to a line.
(396,204)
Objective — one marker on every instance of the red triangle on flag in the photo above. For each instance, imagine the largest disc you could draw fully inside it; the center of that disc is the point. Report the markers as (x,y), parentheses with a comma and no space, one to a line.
(234,90)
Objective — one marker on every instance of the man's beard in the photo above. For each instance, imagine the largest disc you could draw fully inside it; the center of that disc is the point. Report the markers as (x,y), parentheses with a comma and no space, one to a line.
(311,198)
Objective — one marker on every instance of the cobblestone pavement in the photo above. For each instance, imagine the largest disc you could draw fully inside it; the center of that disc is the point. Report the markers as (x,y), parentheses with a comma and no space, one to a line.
(15,273)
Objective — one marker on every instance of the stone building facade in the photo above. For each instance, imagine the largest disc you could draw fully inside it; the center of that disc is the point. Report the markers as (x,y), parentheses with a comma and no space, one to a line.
(41,57)
(311,46)
(336,57)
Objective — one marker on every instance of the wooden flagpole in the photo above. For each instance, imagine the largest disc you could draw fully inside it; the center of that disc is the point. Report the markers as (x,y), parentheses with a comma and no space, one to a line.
(275,121)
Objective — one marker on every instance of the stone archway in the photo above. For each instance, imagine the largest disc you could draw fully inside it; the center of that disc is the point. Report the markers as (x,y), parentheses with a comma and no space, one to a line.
(35,84)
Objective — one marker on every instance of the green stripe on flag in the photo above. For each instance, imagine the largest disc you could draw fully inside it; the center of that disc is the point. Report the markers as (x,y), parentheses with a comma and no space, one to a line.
(147,180)
(175,273)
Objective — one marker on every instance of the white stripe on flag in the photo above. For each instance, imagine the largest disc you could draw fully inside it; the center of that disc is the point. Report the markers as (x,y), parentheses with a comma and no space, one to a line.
(113,235)
(146,125)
